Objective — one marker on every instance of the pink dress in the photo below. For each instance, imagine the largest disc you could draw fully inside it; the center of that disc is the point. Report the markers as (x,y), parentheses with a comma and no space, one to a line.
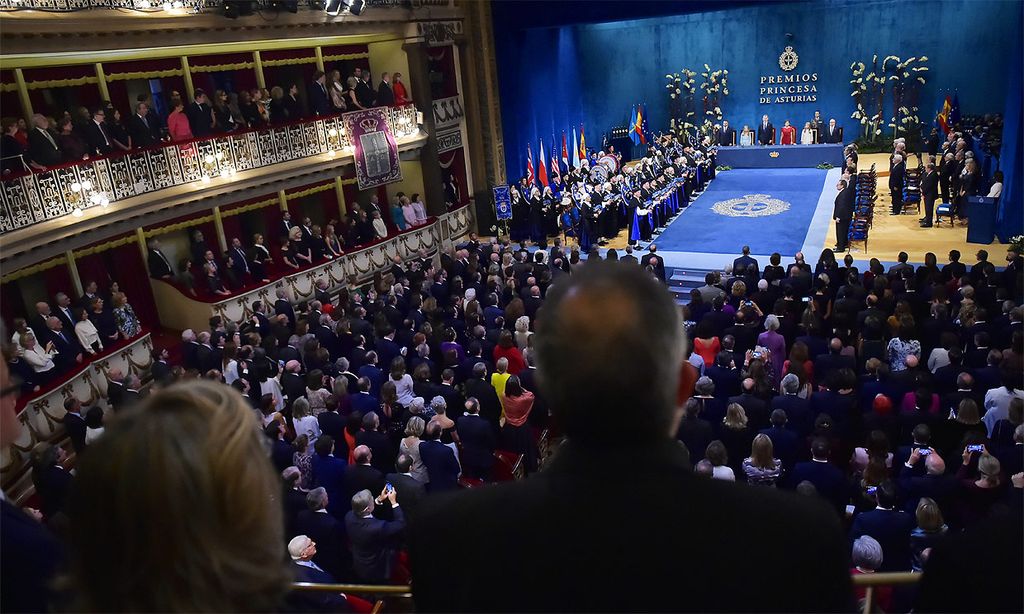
(178,127)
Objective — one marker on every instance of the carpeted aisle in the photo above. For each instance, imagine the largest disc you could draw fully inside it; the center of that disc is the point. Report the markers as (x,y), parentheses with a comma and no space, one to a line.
(768,209)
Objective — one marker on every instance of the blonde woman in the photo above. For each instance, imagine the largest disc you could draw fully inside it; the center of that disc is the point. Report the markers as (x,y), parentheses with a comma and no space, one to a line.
(410,446)
(336,91)
(498,380)
(761,467)
(127,322)
(523,333)
(228,558)
(40,358)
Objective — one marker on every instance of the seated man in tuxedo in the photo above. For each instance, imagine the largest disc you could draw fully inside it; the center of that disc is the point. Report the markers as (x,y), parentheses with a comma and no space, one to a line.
(765,132)
(620,418)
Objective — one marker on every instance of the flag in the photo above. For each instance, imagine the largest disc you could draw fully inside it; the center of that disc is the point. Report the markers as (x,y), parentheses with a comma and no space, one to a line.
(637,130)
(542,166)
(644,130)
(583,144)
(565,151)
(633,136)
(954,111)
(529,167)
(555,168)
(575,150)
(942,119)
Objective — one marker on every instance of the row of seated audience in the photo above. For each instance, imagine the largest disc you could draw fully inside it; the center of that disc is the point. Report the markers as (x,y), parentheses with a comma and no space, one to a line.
(377,405)
(83,133)
(301,245)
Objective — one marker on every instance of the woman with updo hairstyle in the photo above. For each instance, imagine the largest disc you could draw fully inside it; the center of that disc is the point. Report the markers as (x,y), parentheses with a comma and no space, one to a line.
(175,509)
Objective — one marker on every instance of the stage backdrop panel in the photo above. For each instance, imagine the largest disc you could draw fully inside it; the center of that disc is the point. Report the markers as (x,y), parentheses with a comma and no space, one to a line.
(594,73)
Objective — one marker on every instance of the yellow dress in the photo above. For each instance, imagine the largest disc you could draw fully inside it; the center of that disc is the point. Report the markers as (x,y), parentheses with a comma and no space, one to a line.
(498,383)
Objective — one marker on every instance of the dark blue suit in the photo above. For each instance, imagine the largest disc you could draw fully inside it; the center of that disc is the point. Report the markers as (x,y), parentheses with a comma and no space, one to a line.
(30,557)
(375,375)
(786,445)
(315,601)
(441,464)
(827,478)
(387,350)
(331,548)
(373,543)
(329,472)
(363,403)
(478,443)
(798,412)
(892,530)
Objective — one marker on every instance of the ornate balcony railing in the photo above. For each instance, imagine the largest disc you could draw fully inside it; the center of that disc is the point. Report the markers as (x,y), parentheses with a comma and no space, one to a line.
(180,7)
(71,188)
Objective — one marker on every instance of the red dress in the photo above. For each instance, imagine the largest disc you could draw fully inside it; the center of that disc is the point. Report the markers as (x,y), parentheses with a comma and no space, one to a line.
(516,363)
(788,135)
(401,97)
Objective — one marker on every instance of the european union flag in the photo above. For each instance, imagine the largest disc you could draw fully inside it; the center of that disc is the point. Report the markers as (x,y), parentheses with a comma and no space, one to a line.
(954,112)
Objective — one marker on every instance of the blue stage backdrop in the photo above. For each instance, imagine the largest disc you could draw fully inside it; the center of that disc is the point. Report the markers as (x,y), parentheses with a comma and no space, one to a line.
(556,77)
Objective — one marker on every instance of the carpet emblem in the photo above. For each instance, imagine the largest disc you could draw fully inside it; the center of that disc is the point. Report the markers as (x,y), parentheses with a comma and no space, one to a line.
(750,205)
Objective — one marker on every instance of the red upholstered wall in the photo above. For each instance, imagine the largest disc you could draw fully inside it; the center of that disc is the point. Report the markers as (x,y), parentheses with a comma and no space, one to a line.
(125,265)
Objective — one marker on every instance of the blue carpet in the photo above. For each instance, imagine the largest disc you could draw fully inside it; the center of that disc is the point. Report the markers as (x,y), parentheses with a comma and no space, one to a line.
(701,229)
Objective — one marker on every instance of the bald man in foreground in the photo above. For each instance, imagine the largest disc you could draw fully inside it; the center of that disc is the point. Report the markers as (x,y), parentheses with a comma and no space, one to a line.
(617,521)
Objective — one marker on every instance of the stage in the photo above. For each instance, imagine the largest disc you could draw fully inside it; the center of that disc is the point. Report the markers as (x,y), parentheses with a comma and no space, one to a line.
(780,156)
(771,210)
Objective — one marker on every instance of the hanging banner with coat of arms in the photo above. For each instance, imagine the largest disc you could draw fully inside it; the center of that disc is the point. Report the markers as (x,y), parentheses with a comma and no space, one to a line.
(376,155)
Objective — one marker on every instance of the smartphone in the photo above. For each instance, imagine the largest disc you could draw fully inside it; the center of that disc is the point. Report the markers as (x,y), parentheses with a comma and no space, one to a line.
(806,299)
(872,490)
(280,363)
(975,448)
(389,487)
(924,451)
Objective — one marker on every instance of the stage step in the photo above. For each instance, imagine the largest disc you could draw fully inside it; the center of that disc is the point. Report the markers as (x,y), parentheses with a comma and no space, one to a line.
(681,280)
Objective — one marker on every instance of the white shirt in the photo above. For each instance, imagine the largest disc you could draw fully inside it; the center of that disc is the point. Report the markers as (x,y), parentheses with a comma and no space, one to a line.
(92,434)
(308,426)
(87,334)
(379,228)
(403,388)
(997,190)
(39,358)
(997,405)
(806,137)
(722,472)
(421,212)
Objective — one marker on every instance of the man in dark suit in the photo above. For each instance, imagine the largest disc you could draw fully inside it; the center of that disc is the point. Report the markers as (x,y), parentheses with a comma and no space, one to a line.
(65,312)
(578,508)
(833,134)
(200,115)
(887,525)
(899,167)
(828,479)
(477,387)
(373,540)
(138,127)
(328,532)
(410,490)
(727,136)
(933,483)
(97,134)
(785,441)
(319,99)
(377,442)
(364,93)
(159,265)
(929,192)
(306,552)
(362,475)
(385,95)
(798,410)
(439,460)
(843,213)
(659,262)
(363,401)
(74,423)
(329,472)
(834,360)
(765,132)
(755,407)
(42,147)
(69,352)
(478,442)
(745,262)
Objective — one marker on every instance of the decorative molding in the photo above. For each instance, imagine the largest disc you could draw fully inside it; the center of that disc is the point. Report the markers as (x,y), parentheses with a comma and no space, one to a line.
(42,416)
(448,111)
(439,32)
(449,140)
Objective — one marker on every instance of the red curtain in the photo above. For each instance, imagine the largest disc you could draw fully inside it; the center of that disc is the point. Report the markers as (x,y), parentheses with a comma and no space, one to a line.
(94,267)
(453,167)
(10,104)
(233,229)
(132,276)
(58,279)
(12,305)
(441,64)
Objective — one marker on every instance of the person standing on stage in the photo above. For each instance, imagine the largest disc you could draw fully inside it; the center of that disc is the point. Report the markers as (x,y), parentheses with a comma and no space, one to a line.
(896,183)
(788,134)
(727,136)
(929,192)
(817,125)
(807,135)
(832,135)
(843,213)
(765,131)
(946,169)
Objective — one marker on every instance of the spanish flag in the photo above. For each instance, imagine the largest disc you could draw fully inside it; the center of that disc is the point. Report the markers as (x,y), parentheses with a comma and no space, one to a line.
(583,144)
(636,131)
(943,116)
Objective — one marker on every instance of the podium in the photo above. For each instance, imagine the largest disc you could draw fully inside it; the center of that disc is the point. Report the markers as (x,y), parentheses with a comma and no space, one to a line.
(981,216)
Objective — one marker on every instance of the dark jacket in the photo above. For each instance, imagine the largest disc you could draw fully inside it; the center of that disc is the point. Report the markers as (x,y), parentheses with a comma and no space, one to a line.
(441,465)
(585,522)
(373,544)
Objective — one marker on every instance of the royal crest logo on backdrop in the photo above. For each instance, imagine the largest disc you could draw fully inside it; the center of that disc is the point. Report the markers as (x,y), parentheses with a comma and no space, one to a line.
(788,59)
(750,205)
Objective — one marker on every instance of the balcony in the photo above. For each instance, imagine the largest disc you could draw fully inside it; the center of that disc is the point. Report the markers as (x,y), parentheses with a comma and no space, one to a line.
(82,196)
